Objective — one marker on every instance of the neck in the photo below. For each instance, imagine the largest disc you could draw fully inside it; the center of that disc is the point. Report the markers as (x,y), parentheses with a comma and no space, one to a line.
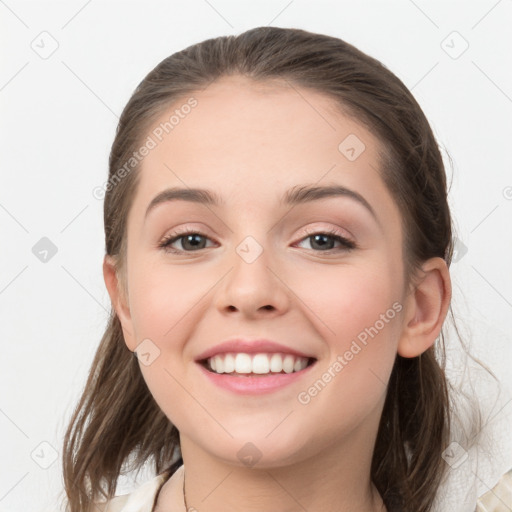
(269,489)
(336,480)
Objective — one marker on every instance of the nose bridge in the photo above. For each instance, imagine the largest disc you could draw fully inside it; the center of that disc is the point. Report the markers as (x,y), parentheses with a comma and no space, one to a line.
(252,285)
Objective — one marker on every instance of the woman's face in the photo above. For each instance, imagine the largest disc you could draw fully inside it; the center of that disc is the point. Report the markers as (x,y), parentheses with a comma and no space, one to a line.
(263,267)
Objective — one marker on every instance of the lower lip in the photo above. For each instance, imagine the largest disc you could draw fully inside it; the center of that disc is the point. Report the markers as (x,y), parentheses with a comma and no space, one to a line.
(254,385)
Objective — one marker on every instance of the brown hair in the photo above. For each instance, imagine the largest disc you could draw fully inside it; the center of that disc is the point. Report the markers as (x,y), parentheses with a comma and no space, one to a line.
(117,416)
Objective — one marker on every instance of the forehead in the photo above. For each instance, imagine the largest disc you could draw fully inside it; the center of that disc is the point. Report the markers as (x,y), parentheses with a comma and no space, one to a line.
(247,139)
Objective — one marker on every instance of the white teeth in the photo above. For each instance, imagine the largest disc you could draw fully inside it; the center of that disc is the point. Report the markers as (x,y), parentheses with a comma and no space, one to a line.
(219,364)
(258,363)
(288,364)
(297,366)
(276,363)
(242,363)
(229,363)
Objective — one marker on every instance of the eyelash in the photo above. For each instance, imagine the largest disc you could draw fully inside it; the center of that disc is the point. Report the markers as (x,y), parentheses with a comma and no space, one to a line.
(348,245)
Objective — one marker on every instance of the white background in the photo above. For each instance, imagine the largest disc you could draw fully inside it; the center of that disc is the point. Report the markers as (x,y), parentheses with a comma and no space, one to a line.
(59,116)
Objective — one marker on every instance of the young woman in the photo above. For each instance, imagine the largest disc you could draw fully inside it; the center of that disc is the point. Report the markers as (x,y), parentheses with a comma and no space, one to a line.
(278,242)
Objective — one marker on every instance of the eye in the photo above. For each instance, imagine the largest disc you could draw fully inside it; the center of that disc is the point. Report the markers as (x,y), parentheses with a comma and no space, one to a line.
(323,241)
(190,241)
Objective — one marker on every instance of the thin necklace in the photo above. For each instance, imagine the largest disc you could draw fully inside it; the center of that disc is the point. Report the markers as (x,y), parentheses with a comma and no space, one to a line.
(184,495)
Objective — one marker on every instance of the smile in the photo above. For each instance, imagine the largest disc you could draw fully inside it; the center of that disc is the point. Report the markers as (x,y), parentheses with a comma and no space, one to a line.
(256,364)
(255,374)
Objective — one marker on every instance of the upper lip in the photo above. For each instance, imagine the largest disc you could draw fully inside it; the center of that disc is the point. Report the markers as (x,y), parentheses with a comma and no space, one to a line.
(246,346)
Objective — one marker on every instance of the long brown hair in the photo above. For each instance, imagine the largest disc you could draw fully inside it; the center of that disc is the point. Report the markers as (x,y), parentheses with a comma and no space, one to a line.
(117,418)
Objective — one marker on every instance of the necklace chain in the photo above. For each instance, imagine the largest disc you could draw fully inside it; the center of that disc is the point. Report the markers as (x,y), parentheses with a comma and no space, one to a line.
(184,494)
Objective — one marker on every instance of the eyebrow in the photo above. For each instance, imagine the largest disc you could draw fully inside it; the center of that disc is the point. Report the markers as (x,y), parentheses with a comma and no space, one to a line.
(296,195)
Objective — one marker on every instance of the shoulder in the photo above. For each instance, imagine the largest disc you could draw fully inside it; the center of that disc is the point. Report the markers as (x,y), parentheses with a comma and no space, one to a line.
(113,505)
(141,499)
(499,498)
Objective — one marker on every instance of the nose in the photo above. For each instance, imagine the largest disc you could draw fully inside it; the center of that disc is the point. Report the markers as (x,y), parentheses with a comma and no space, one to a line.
(254,286)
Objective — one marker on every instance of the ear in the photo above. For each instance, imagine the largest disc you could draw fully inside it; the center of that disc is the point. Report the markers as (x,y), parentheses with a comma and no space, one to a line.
(119,299)
(426,308)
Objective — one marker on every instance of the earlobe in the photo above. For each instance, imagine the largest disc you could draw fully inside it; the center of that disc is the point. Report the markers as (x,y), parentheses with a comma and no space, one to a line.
(110,275)
(426,309)
(118,298)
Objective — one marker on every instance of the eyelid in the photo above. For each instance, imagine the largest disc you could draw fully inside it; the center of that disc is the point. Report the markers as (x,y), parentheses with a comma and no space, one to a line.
(175,234)
(187,229)
(347,242)
(331,230)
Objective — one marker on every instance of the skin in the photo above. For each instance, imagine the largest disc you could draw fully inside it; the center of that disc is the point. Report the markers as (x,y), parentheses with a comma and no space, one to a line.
(250,143)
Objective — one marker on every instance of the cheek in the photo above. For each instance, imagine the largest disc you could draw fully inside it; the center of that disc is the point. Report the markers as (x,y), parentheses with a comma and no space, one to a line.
(163,298)
(349,299)
(161,310)
(166,303)
(357,313)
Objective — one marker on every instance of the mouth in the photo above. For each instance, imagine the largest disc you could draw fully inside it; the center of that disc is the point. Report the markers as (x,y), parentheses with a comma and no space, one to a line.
(256,365)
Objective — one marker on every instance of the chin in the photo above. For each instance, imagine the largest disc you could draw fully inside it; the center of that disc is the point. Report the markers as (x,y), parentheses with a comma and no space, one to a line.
(259,451)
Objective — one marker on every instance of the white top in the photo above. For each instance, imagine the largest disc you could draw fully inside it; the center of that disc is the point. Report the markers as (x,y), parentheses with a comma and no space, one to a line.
(499,499)
(143,498)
